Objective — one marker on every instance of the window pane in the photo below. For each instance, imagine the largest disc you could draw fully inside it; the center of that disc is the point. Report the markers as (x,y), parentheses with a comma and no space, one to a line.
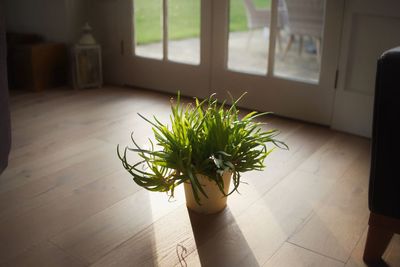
(299,38)
(148,28)
(184,31)
(248,35)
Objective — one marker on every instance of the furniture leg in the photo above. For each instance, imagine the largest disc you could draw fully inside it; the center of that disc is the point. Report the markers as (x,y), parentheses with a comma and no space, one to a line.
(318,48)
(249,39)
(300,44)
(377,241)
(291,38)
(279,37)
(380,232)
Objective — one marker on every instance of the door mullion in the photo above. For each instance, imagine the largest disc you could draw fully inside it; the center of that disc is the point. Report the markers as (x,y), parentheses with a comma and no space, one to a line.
(165,30)
(272,37)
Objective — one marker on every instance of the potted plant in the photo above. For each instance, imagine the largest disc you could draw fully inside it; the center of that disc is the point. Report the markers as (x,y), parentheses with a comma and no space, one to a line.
(206,145)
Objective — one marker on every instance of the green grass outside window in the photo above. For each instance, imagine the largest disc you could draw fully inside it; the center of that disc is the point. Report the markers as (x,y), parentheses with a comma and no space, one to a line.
(184,18)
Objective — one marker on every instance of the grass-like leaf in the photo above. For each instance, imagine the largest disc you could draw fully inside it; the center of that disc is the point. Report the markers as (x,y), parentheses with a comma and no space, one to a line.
(205,138)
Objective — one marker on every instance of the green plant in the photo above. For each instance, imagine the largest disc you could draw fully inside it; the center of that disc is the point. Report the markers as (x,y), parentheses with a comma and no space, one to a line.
(205,138)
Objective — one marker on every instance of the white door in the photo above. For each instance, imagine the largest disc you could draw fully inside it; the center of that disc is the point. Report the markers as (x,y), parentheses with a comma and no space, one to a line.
(370,27)
(285,56)
(295,80)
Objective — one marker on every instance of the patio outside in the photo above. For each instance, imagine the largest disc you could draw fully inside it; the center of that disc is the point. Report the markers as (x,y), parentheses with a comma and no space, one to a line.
(247,46)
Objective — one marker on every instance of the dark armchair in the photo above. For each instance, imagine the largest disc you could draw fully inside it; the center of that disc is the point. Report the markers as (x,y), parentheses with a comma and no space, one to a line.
(384,187)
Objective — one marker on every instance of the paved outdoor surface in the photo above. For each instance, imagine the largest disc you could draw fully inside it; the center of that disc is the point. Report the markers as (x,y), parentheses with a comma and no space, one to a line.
(248,52)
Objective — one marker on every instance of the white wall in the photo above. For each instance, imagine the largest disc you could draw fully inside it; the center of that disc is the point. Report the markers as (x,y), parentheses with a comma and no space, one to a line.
(108,19)
(56,20)
(77,16)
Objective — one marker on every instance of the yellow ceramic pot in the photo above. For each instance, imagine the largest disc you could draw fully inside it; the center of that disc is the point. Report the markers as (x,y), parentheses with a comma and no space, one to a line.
(215,202)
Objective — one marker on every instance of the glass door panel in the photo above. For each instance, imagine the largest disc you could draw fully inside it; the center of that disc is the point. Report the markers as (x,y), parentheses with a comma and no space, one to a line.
(177,21)
(148,28)
(170,44)
(289,83)
(299,35)
(248,35)
(184,31)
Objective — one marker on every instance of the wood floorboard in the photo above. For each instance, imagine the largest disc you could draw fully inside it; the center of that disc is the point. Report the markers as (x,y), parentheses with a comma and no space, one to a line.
(65,199)
(64,118)
(55,163)
(338,222)
(21,99)
(290,255)
(66,207)
(45,254)
(104,232)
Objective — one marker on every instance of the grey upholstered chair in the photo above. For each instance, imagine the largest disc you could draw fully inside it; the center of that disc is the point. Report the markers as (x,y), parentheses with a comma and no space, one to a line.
(305,18)
(260,17)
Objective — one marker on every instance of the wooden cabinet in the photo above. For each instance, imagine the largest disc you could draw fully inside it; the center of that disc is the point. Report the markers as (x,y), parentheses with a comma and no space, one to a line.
(38,66)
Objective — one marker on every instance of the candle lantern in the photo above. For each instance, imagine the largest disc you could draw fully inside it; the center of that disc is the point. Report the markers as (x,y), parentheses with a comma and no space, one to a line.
(87,67)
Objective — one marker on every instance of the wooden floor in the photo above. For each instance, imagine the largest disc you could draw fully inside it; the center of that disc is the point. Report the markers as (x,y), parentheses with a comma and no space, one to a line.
(65,199)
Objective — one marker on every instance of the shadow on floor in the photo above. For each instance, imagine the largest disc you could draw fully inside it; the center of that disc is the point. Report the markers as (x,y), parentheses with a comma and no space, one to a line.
(219,240)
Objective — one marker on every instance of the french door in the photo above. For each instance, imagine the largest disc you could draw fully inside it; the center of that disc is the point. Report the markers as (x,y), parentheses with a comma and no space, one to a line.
(284,53)
(295,73)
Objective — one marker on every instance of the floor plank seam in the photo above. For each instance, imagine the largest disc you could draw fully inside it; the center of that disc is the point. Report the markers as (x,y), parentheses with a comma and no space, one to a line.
(93,215)
(316,252)
(302,224)
(307,218)
(73,256)
(356,245)
(274,253)
(60,198)
(23,167)
(136,234)
(33,246)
